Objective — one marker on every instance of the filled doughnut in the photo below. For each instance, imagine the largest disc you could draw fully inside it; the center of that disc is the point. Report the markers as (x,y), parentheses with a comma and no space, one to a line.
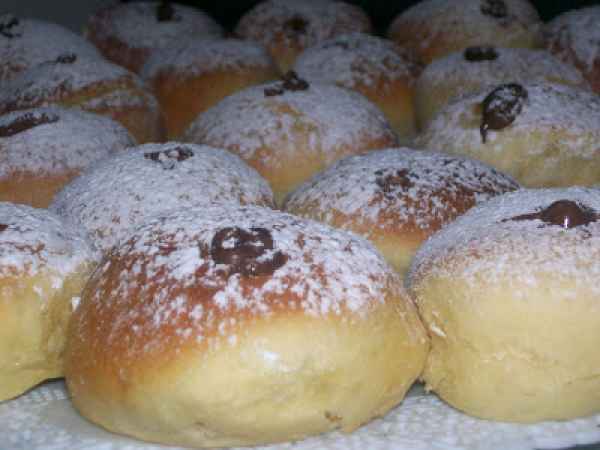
(123,191)
(42,149)
(227,326)
(509,293)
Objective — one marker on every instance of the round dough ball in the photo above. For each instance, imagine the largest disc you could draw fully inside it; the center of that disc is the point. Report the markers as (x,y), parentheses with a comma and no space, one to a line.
(25,43)
(379,69)
(123,191)
(574,37)
(544,135)
(510,295)
(42,149)
(191,77)
(44,264)
(478,68)
(128,33)
(292,129)
(228,326)
(92,84)
(287,27)
(397,198)
(434,28)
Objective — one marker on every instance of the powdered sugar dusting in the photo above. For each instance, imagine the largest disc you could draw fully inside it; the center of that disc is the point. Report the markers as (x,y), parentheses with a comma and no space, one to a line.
(576,31)
(357,59)
(486,243)
(320,20)
(52,81)
(35,42)
(548,107)
(33,240)
(198,56)
(136,24)
(327,272)
(426,192)
(125,190)
(317,121)
(517,65)
(73,142)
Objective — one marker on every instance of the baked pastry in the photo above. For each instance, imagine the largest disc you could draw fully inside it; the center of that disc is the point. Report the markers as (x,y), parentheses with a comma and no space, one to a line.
(510,292)
(544,135)
(128,33)
(152,179)
(229,326)
(191,77)
(42,149)
(25,43)
(434,28)
(379,69)
(94,85)
(398,197)
(574,37)
(478,68)
(287,27)
(44,264)
(291,129)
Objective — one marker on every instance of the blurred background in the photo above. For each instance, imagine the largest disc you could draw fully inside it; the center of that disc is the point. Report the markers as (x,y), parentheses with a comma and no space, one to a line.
(74,13)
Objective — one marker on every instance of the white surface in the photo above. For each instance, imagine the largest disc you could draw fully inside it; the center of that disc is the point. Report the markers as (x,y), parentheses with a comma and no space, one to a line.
(44,419)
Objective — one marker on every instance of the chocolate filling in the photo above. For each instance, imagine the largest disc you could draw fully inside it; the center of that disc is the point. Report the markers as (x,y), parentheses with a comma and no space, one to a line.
(501,107)
(169,157)
(6,28)
(290,82)
(563,213)
(247,252)
(477,54)
(494,8)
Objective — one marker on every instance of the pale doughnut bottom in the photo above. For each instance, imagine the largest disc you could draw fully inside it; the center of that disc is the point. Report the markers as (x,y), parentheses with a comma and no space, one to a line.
(513,352)
(537,157)
(34,313)
(281,379)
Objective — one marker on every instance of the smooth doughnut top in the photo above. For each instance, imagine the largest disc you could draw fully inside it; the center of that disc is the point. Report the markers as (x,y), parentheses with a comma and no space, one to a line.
(447,17)
(126,189)
(317,118)
(196,57)
(301,23)
(486,66)
(57,140)
(34,240)
(517,236)
(399,188)
(98,81)
(193,275)
(25,43)
(151,24)
(357,59)
(477,120)
(576,31)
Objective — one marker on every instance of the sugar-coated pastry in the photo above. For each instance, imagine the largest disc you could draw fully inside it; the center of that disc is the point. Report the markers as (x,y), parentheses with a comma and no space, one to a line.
(123,191)
(44,264)
(291,129)
(25,43)
(544,135)
(398,197)
(287,27)
(95,85)
(193,76)
(477,68)
(42,149)
(128,33)
(229,326)
(434,28)
(510,295)
(379,69)
(574,37)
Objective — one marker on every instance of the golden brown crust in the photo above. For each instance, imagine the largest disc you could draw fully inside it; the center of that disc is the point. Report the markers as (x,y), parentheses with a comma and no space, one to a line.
(32,188)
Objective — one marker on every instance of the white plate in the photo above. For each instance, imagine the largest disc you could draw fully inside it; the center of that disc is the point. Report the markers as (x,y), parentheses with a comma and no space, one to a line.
(43,419)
